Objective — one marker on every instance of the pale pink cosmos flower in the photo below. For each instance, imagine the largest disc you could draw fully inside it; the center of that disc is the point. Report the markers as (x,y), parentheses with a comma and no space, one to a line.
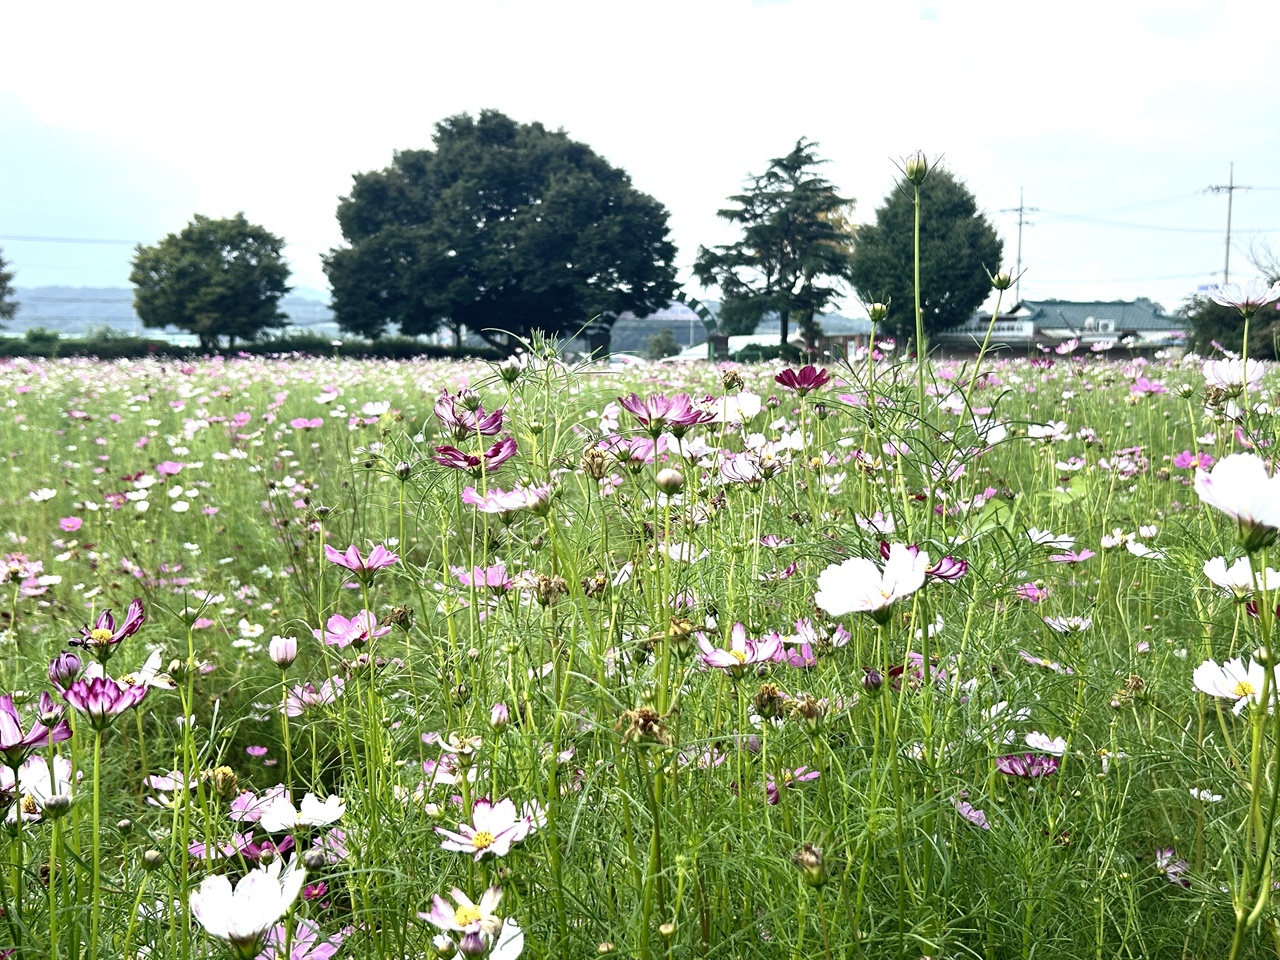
(70,524)
(1248,299)
(359,630)
(742,652)
(1233,375)
(1241,487)
(498,501)
(494,828)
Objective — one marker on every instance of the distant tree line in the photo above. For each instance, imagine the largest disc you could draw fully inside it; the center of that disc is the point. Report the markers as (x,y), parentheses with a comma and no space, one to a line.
(502,228)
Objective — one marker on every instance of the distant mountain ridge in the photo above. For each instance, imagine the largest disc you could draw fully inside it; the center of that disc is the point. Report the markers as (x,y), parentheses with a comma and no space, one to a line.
(76,311)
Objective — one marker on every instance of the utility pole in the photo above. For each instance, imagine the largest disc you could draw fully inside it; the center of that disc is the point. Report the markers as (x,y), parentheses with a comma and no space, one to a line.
(1229,189)
(1021,210)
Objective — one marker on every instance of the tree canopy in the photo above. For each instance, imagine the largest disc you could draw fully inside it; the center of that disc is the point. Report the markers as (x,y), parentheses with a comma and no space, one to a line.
(8,306)
(217,278)
(502,228)
(793,258)
(957,247)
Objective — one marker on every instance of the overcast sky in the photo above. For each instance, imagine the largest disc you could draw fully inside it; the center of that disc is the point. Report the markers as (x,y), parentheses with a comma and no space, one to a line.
(119,121)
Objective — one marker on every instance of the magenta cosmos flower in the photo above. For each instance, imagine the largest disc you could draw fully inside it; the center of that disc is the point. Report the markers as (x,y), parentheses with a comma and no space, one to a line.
(15,742)
(104,636)
(359,630)
(659,412)
(101,699)
(1030,766)
(742,652)
(807,379)
(494,828)
(490,460)
(363,567)
(463,421)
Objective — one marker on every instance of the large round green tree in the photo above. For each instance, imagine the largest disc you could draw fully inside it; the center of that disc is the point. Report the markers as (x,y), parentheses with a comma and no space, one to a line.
(957,248)
(502,228)
(217,278)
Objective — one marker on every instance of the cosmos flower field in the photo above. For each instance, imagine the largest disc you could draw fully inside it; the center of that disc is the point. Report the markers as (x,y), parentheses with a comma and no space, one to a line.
(310,658)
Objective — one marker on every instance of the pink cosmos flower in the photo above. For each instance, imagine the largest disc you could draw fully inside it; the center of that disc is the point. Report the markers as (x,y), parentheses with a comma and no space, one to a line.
(491,459)
(1048,664)
(304,697)
(494,577)
(70,524)
(971,813)
(773,792)
(1030,766)
(499,501)
(1173,868)
(1071,557)
(494,828)
(1032,593)
(807,379)
(15,742)
(658,412)
(302,423)
(742,652)
(101,699)
(308,942)
(362,567)
(1187,460)
(359,630)
(101,641)
(169,468)
(459,416)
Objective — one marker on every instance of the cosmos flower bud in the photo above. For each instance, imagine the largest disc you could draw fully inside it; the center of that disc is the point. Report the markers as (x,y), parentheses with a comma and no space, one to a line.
(877,312)
(124,826)
(283,651)
(821,411)
(57,806)
(64,669)
(473,945)
(152,860)
(469,399)
(510,369)
(916,168)
(813,869)
(313,860)
(1002,281)
(499,716)
(667,930)
(669,481)
(403,469)
(872,681)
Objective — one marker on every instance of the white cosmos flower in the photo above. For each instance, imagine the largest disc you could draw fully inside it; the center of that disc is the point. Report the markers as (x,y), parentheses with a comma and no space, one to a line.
(1232,681)
(279,814)
(1248,299)
(1238,578)
(1039,741)
(245,915)
(1232,375)
(1047,538)
(1240,487)
(859,586)
(1206,796)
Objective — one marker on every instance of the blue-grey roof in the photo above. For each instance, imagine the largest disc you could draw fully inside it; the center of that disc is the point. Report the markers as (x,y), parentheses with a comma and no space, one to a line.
(1136,315)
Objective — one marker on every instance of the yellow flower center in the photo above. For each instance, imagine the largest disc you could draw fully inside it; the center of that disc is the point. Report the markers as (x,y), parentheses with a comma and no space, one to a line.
(739,655)
(29,806)
(101,636)
(1244,689)
(463,916)
(482,840)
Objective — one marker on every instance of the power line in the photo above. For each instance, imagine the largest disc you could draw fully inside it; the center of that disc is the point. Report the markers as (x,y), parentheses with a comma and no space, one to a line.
(32,239)
(1142,226)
